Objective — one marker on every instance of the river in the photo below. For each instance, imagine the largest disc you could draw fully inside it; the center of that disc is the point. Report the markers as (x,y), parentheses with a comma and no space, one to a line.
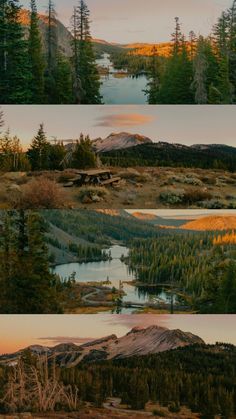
(115,271)
(117,89)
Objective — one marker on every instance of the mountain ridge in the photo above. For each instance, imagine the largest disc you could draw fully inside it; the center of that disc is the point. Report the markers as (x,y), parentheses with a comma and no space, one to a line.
(138,341)
(212,223)
(119,141)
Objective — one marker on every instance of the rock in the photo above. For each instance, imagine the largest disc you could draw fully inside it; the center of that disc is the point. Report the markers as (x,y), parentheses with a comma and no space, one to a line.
(86,200)
(96,198)
(68,185)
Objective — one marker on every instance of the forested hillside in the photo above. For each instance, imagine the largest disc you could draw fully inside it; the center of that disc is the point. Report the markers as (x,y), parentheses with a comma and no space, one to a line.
(173,155)
(99,228)
(201,377)
(201,266)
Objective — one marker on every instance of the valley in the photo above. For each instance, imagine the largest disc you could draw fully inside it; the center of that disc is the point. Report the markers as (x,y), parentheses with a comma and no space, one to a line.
(119,261)
(107,72)
(128,262)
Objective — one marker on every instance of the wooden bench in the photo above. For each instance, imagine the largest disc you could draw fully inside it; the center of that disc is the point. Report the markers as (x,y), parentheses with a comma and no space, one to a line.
(110,181)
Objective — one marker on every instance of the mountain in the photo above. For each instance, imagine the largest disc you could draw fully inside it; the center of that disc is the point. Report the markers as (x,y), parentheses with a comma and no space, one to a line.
(159,221)
(63,34)
(119,141)
(173,154)
(138,342)
(211,223)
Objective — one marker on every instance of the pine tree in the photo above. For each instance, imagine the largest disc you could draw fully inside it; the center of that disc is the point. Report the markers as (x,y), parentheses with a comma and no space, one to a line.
(3,49)
(87,81)
(177,77)
(83,156)
(63,81)
(15,74)
(36,57)
(27,283)
(154,82)
(39,151)
(52,53)
(224,89)
(232,46)
(200,67)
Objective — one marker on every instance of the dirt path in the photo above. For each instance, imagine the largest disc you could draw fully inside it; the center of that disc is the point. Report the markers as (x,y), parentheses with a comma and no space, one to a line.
(113,404)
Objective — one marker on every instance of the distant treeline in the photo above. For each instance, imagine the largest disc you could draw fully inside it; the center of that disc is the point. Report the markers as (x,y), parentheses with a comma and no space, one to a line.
(201,266)
(199,377)
(211,157)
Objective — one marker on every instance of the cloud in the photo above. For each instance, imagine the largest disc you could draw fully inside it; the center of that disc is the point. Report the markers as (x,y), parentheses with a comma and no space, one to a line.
(124,120)
(65,339)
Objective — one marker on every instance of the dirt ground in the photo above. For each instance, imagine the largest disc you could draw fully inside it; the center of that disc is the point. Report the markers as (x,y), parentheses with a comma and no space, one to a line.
(138,188)
(92,413)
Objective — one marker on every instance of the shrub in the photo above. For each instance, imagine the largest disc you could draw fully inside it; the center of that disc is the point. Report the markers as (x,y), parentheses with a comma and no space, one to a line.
(174,408)
(172,196)
(133,174)
(91,191)
(41,193)
(213,204)
(159,413)
(192,196)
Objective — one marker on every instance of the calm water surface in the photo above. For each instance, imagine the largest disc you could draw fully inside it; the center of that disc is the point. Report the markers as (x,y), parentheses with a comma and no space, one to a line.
(123,89)
(115,271)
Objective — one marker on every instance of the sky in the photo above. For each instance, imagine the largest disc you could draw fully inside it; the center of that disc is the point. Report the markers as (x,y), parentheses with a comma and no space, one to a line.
(175,124)
(126,21)
(18,332)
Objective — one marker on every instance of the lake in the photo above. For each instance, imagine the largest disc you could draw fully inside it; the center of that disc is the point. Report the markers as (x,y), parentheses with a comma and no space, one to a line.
(121,89)
(115,271)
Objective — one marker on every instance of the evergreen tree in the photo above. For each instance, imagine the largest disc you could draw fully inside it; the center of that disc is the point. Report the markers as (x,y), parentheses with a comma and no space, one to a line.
(15,74)
(83,155)
(200,67)
(51,53)
(154,82)
(63,81)
(232,46)
(36,57)
(177,77)
(224,89)
(28,284)
(87,80)
(39,151)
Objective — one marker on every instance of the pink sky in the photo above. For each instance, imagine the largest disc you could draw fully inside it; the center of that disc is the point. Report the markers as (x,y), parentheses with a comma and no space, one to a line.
(126,21)
(181,124)
(17,332)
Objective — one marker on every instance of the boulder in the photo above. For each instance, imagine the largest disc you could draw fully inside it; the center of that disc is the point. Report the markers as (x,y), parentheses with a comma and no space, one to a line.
(96,198)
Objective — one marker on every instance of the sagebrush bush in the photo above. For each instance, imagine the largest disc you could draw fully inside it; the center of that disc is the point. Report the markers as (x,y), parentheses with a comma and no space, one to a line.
(191,196)
(172,196)
(134,175)
(90,191)
(41,193)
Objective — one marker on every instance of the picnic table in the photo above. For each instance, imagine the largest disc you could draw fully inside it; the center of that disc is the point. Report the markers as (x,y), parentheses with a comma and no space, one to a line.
(96,177)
